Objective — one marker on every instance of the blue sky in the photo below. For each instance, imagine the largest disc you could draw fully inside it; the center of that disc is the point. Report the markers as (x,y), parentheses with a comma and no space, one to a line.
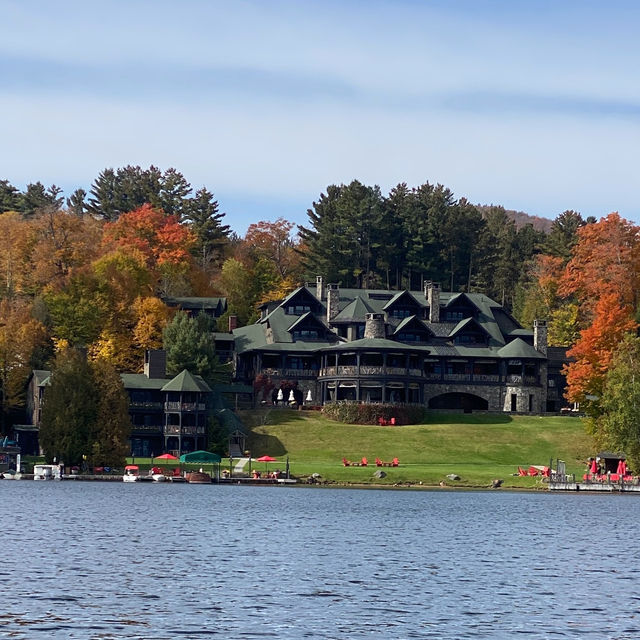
(533,105)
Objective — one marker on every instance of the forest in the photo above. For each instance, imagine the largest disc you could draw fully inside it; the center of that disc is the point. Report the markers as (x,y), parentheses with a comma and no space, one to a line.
(92,270)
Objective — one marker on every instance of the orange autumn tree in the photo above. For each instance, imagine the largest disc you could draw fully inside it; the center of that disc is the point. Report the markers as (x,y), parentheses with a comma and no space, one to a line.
(594,349)
(603,276)
(164,242)
(606,259)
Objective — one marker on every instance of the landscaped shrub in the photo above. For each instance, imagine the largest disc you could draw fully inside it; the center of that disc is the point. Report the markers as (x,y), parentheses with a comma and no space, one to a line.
(356,413)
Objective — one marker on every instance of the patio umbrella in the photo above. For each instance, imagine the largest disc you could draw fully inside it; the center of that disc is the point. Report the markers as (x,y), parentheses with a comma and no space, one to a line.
(292,398)
(166,457)
(280,395)
(309,396)
(266,459)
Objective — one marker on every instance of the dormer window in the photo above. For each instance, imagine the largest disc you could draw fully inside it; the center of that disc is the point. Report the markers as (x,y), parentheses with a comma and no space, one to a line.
(306,334)
(454,316)
(401,313)
(298,309)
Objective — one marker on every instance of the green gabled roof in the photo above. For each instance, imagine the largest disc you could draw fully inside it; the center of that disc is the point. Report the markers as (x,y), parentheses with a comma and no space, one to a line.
(250,337)
(304,318)
(397,297)
(464,324)
(186,381)
(412,320)
(357,309)
(518,348)
(377,344)
(140,381)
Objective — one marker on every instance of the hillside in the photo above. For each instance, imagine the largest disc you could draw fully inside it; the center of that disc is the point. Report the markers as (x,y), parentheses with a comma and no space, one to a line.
(521,218)
(476,447)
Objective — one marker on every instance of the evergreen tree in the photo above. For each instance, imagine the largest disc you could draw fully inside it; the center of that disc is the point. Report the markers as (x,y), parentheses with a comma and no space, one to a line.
(36,197)
(190,344)
(76,202)
(69,410)
(202,215)
(9,197)
(112,429)
(563,235)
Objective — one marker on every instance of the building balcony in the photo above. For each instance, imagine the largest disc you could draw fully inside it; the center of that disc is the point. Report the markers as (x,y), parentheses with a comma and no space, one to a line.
(146,406)
(184,406)
(520,380)
(290,373)
(146,429)
(176,430)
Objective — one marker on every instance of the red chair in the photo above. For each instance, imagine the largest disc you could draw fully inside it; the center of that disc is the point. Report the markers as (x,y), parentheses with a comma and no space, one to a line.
(533,471)
(378,462)
(346,462)
(364,462)
(395,462)
(522,472)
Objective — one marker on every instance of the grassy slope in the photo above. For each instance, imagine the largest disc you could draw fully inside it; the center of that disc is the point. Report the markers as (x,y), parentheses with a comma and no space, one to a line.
(478,448)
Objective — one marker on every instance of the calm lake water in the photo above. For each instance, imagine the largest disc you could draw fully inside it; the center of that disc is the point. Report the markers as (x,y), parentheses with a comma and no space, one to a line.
(159,561)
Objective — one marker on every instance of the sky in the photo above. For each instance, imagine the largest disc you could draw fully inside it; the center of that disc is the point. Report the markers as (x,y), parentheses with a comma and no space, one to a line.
(534,105)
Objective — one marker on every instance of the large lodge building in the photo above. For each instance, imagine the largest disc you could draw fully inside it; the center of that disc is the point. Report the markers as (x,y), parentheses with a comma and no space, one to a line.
(459,351)
(446,351)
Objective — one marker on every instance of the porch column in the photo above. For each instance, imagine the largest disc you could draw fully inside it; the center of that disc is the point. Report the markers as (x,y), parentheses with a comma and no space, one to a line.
(357,390)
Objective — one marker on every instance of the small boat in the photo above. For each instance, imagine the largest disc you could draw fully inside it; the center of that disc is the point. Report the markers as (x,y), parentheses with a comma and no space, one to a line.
(157,475)
(47,472)
(198,477)
(131,473)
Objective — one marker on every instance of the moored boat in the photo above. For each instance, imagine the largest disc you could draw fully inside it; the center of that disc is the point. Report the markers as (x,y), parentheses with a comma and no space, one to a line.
(198,477)
(131,473)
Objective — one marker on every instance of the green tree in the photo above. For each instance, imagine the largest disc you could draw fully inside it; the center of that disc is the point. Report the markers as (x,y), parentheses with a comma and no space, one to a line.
(190,344)
(202,215)
(563,235)
(69,409)
(110,435)
(76,202)
(36,197)
(618,426)
(239,286)
(9,197)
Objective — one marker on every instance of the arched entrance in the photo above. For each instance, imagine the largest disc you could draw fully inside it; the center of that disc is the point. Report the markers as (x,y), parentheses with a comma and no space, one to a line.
(459,402)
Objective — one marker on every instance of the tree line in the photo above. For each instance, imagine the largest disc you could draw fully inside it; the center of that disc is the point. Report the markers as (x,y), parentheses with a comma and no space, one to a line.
(94,270)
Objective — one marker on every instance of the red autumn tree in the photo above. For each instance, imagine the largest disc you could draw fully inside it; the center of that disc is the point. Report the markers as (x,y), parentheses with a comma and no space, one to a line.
(605,260)
(594,349)
(159,237)
(162,240)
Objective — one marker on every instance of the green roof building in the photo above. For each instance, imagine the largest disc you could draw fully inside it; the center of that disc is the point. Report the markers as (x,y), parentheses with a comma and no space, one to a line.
(458,351)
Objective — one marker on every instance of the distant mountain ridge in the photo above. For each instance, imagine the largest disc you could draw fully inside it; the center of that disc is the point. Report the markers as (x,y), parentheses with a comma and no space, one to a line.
(521,218)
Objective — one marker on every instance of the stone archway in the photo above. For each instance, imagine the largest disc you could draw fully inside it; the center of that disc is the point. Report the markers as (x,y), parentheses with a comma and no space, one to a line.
(459,401)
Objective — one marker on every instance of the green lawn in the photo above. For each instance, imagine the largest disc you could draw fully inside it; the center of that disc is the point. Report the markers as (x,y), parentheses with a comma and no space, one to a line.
(478,448)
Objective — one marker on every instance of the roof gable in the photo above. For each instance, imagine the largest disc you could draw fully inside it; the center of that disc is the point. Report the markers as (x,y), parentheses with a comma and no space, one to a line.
(402,299)
(186,381)
(356,310)
(415,323)
(518,348)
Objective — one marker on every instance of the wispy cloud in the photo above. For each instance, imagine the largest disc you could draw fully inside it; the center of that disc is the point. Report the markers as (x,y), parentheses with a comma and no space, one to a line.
(533,105)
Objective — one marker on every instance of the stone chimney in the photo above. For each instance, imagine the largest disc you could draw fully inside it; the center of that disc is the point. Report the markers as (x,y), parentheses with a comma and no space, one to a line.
(432,292)
(319,288)
(374,325)
(333,298)
(155,363)
(540,336)
(233,323)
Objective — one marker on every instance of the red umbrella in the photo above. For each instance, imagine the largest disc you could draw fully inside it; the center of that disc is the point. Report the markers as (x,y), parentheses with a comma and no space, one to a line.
(166,456)
(266,459)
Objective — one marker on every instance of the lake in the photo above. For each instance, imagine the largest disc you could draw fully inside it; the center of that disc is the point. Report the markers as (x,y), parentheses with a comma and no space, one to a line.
(154,561)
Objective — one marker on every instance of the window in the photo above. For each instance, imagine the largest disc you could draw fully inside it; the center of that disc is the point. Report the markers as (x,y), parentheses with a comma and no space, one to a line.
(298,309)
(469,339)
(401,313)
(454,316)
(306,334)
